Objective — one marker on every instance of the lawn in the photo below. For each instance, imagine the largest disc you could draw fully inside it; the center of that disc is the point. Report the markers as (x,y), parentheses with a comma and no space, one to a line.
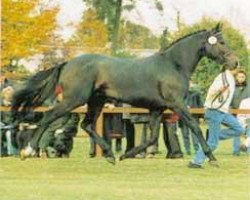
(83,178)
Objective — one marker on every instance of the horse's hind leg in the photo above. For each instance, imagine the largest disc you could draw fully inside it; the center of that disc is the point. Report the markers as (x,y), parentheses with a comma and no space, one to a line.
(89,123)
(194,126)
(58,111)
(155,120)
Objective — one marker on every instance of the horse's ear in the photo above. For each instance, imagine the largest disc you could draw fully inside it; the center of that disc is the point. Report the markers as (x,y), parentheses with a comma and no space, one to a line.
(218,27)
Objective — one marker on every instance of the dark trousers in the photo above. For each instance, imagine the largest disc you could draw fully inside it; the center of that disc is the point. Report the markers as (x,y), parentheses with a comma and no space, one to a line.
(130,134)
(171,139)
(112,126)
(186,133)
(144,136)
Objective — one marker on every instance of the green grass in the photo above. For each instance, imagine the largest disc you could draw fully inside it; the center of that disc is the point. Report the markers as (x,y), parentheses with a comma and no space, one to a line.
(83,178)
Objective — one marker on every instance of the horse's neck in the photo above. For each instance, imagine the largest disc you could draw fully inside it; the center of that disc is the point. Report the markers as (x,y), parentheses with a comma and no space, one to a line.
(187,53)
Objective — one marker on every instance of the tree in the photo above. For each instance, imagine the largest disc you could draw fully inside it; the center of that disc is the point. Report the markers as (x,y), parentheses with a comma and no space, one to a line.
(136,37)
(110,11)
(91,32)
(26,25)
(207,69)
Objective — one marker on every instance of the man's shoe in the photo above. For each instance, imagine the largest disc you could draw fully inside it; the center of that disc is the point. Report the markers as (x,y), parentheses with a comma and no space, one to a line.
(194,165)
(243,148)
(214,163)
(174,156)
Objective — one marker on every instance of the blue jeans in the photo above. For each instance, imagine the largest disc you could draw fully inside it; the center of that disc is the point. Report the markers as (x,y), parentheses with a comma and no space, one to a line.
(214,120)
(11,150)
(236,145)
(248,136)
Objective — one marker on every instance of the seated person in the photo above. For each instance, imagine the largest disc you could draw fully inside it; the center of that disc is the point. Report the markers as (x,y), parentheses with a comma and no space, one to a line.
(57,140)
(28,124)
(7,129)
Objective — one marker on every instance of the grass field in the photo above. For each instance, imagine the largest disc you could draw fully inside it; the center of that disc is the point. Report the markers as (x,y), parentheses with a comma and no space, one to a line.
(83,178)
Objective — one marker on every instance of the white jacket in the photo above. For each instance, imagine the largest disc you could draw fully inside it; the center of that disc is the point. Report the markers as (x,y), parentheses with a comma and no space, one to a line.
(244,104)
(227,92)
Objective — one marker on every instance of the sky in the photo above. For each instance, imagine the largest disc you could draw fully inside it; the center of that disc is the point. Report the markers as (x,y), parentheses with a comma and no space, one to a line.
(235,11)
(191,11)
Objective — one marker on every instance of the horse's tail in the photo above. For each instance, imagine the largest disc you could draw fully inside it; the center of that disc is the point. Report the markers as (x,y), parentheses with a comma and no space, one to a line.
(37,89)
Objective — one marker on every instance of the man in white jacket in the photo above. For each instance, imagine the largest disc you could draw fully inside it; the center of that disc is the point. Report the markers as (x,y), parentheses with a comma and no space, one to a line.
(217,104)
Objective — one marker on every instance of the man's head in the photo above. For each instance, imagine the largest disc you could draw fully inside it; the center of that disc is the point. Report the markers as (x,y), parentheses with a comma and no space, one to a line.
(241,77)
(7,93)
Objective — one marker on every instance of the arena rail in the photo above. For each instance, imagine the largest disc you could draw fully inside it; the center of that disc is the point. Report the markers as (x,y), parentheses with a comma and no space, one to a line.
(99,124)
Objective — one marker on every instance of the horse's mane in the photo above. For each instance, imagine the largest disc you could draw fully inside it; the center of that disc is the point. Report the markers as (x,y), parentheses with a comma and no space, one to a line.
(185,36)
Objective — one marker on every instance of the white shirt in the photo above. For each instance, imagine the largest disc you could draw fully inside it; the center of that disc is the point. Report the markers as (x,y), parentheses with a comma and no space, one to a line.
(227,94)
(244,104)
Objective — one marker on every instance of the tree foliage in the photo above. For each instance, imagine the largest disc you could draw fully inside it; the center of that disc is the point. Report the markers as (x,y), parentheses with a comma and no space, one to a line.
(25,26)
(91,32)
(110,11)
(137,37)
(207,69)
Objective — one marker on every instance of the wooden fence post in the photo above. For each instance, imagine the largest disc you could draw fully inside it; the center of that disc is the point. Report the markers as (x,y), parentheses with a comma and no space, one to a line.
(99,130)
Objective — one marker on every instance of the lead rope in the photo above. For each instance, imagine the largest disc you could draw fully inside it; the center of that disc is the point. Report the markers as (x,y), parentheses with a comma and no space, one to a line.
(219,96)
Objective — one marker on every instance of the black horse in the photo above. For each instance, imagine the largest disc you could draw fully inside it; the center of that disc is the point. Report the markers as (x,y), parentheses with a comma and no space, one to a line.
(157,82)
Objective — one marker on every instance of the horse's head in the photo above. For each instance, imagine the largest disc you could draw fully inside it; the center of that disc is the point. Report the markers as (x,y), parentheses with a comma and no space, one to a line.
(216,49)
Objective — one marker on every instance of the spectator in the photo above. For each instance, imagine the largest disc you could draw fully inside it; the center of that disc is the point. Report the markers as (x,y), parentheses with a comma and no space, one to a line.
(144,120)
(244,119)
(57,140)
(129,129)
(240,93)
(170,136)
(113,128)
(7,129)
(4,82)
(28,124)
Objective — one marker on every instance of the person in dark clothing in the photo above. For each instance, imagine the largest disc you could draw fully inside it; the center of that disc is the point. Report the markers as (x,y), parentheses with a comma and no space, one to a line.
(26,128)
(62,143)
(144,120)
(170,136)
(113,128)
(57,140)
(129,129)
(192,100)
(241,92)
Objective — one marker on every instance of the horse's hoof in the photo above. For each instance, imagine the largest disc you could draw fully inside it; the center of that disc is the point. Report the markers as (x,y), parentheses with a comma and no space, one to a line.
(111,160)
(214,163)
(22,154)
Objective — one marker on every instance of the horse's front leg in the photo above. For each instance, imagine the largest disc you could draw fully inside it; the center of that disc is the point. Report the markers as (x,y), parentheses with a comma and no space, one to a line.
(194,126)
(155,120)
